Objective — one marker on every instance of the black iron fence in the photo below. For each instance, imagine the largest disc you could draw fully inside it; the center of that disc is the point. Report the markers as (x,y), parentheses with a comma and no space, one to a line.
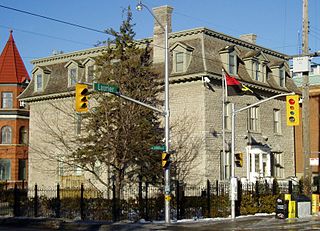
(141,202)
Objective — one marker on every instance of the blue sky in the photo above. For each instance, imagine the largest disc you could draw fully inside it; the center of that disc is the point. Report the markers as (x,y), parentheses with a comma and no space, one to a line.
(276,22)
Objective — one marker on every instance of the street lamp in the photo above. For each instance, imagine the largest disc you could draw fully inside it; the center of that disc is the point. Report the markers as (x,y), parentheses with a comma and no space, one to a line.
(166,113)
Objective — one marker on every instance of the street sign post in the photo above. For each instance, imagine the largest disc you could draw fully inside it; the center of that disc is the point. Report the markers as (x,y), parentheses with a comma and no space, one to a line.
(105,88)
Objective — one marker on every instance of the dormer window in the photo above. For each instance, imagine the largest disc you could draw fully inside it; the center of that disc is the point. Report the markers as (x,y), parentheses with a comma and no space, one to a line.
(256,64)
(72,76)
(89,69)
(73,72)
(179,62)
(232,64)
(39,81)
(229,58)
(181,57)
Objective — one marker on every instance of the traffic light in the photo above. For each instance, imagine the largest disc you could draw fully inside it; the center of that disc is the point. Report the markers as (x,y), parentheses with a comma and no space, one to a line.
(81,101)
(292,104)
(239,159)
(165,160)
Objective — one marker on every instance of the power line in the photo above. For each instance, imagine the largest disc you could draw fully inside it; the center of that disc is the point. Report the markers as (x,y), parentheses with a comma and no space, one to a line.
(45,35)
(53,19)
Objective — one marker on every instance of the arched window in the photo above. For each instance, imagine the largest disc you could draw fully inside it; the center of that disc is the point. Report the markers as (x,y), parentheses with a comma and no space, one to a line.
(6,135)
(23,135)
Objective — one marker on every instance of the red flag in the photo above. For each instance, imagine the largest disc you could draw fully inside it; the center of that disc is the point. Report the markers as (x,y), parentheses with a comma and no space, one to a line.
(234,87)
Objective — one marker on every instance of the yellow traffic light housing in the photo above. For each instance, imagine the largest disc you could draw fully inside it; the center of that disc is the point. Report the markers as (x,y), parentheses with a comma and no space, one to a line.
(165,160)
(239,159)
(81,101)
(293,109)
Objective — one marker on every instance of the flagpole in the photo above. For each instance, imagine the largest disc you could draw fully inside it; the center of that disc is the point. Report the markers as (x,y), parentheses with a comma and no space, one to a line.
(223,123)
(233,180)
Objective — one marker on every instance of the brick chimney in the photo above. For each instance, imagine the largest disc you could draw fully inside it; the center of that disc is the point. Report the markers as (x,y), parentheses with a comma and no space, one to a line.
(251,38)
(164,15)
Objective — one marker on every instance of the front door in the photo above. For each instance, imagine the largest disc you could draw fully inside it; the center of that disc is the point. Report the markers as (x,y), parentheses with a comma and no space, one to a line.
(259,163)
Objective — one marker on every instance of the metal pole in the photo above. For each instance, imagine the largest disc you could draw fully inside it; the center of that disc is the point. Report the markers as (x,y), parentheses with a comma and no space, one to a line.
(167,130)
(232,186)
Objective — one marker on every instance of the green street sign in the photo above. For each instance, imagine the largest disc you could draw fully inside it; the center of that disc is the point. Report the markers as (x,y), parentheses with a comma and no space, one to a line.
(158,148)
(105,88)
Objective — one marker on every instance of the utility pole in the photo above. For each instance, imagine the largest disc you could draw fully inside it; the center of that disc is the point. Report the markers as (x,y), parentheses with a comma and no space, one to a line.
(305,103)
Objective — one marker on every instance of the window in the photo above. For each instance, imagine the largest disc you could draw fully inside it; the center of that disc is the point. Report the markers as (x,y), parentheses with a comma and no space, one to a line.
(179,61)
(5,169)
(281,78)
(253,119)
(72,76)
(256,75)
(39,83)
(277,165)
(227,116)
(276,121)
(22,172)
(7,100)
(232,64)
(6,135)
(225,167)
(90,74)
(23,135)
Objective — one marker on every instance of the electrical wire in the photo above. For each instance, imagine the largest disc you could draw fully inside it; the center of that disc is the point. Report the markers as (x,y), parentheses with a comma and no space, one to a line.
(54,19)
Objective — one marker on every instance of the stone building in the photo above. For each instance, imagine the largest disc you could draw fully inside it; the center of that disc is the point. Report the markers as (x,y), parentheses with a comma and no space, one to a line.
(197,57)
(14,117)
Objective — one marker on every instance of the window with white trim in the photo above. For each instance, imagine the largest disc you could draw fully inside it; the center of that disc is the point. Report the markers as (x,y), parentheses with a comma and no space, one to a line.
(7,100)
(72,76)
(232,64)
(277,165)
(6,135)
(5,169)
(276,121)
(179,61)
(39,82)
(254,119)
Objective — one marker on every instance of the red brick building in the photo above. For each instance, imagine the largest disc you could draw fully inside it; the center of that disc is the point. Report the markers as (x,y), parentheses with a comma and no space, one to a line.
(14,117)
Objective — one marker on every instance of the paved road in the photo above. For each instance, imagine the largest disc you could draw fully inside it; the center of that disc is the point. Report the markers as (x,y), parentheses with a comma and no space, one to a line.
(244,223)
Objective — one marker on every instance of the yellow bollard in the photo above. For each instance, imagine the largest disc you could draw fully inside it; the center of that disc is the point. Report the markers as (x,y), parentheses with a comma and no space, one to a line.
(292,209)
(287,197)
(315,204)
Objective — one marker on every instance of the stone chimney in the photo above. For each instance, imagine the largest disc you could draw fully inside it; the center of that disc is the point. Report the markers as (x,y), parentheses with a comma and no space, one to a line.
(251,38)
(164,15)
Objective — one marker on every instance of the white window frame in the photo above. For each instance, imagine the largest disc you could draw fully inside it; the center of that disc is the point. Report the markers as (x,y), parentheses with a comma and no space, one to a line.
(179,61)
(254,119)
(39,82)
(7,99)
(5,169)
(278,169)
(232,63)
(72,76)
(282,77)
(6,135)
(277,121)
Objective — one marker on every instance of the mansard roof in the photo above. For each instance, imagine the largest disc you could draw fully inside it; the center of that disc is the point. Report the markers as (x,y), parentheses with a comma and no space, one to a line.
(12,69)
(206,45)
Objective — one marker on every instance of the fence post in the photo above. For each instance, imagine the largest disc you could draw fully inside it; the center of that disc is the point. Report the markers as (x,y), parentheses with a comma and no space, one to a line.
(318,185)
(141,207)
(58,205)
(290,187)
(16,202)
(35,200)
(114,203)
(147,209)
(81,202)
(217,187)
(178,199)
(208,198)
